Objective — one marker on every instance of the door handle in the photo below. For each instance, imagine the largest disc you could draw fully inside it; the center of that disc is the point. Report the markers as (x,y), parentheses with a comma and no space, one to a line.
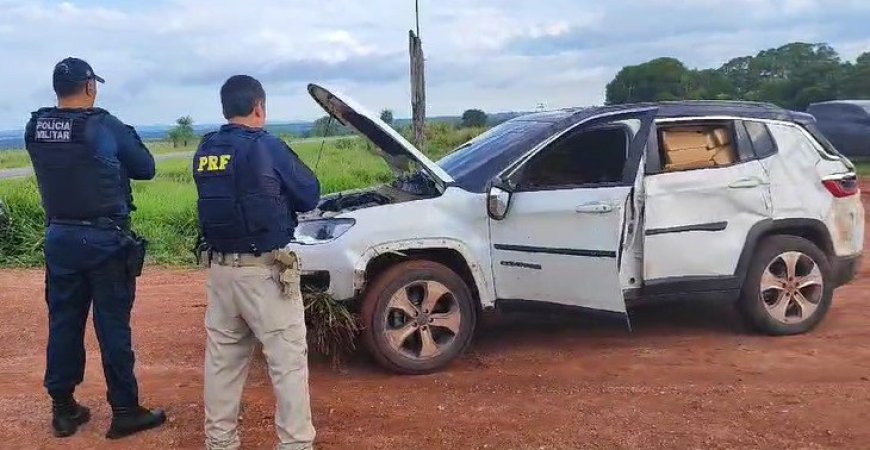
(745,183)
(594,208)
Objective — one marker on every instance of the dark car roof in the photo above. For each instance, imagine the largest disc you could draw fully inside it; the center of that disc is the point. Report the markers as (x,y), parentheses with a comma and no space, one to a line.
(846,128)
(862,103)
(678,109)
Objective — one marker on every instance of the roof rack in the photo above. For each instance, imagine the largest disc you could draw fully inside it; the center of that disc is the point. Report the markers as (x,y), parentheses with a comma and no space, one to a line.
(746,103)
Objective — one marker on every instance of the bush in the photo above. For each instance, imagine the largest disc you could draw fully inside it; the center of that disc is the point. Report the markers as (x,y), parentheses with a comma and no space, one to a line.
(442,137)
(21,233)
(346,143)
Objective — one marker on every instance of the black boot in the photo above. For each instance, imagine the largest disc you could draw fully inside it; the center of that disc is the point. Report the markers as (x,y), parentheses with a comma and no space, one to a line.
(127,421)
(67,417)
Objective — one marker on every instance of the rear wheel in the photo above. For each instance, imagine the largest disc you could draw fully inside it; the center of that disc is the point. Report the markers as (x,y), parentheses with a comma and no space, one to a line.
(418,317)
(788,289)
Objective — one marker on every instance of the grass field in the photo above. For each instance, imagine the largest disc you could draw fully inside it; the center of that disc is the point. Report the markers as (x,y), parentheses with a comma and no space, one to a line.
(863,168)
(166,206)
(13,159)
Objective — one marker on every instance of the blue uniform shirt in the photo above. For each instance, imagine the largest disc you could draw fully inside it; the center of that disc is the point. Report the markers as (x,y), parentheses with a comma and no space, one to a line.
(72,248)
(279,162)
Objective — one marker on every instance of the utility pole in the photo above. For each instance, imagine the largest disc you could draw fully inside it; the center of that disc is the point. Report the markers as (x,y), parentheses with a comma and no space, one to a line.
(418,83)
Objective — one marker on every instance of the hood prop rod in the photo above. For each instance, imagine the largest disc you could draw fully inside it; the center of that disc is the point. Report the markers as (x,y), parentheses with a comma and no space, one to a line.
(322,144)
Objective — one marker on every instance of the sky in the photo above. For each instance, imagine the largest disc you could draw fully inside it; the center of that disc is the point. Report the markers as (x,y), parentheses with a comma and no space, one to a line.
(166,58)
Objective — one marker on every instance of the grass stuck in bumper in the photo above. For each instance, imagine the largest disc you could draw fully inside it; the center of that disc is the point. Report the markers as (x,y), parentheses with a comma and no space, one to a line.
(332,326)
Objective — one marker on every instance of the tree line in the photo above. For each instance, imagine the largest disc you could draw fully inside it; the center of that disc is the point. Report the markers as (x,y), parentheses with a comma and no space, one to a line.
(182,134)
(325,126)
(791,76)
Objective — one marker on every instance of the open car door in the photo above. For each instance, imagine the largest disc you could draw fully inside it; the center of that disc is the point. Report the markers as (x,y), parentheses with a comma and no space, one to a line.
(568,213)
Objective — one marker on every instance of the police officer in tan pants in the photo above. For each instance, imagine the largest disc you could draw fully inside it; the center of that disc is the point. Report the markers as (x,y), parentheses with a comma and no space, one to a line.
(251,186)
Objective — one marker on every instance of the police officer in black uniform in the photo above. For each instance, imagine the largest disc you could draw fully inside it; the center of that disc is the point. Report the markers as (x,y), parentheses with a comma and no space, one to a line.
(84,159)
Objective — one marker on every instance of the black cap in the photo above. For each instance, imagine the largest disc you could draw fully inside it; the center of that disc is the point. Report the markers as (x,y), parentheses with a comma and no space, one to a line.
(75,70)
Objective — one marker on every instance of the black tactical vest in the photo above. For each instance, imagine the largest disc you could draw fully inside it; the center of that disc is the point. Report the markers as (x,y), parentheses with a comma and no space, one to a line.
(74,183)
(240,211)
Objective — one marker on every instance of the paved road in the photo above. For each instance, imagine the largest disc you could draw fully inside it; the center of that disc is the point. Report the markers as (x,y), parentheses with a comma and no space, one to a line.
(28,171)
(15,173)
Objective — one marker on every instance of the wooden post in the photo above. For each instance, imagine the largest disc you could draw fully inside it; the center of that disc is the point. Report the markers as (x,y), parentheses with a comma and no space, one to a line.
(418,90)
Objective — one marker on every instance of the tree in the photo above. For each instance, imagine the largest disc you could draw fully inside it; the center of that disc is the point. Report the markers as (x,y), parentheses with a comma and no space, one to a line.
(792,76)
(473,118)
(709,84)
(738,72)
(387,116)
(656,80)
(856,80)
(182,132)
(325,126)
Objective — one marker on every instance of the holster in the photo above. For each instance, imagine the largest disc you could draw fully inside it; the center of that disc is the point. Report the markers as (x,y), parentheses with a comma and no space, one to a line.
(289,276)
(135,247)
(202,252)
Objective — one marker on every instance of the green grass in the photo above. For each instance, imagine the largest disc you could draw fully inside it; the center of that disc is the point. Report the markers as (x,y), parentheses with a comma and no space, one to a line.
(11,159)
(166,206)
(863,168)
(164,147)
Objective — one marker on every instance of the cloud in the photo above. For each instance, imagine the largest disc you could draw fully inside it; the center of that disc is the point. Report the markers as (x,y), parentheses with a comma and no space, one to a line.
(363,69)
(165,58)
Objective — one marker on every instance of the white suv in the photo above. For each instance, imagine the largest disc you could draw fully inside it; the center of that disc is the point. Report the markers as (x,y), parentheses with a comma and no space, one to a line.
(590,208)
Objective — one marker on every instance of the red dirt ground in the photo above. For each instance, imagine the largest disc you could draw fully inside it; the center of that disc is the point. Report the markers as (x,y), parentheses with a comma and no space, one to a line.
(688,377)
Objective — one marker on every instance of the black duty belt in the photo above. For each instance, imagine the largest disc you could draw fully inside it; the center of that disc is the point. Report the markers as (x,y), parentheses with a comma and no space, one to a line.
(99,222)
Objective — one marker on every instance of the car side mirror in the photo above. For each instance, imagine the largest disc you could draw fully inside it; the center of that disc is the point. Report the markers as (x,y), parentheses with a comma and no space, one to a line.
(498,200)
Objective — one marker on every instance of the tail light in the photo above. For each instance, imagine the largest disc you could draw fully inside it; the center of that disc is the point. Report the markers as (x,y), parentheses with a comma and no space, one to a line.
(841,186)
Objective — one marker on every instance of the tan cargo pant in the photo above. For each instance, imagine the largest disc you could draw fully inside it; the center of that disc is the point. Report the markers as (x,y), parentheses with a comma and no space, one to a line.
(246,303)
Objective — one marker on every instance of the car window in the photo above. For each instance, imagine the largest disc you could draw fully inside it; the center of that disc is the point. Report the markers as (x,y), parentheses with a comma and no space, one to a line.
(587,157)
(505,142)
(697,146)
(761,139)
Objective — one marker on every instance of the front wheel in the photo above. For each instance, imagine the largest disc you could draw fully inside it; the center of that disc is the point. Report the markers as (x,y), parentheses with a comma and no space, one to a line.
(788,289)
(418,317)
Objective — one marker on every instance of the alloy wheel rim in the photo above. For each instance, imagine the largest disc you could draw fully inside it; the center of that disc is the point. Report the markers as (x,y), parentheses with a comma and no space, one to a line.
(791,287)
(422,320)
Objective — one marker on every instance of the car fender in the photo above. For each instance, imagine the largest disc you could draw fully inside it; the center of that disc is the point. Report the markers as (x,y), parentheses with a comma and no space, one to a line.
(482,277)
(812,229)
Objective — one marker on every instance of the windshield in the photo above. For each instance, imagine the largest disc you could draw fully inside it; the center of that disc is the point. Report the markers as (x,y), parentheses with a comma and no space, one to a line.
(474,163)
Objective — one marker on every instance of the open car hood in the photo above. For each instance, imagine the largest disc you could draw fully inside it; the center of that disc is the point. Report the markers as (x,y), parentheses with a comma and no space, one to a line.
(389,144)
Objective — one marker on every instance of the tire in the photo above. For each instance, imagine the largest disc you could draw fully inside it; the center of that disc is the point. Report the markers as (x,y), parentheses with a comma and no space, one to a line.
(774,308)
(398,340)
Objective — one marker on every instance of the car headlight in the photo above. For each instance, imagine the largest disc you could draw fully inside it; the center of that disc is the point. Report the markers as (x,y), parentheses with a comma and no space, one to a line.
(322,230)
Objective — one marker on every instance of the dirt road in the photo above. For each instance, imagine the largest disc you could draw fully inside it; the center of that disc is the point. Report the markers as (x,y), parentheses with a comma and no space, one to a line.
(688,377)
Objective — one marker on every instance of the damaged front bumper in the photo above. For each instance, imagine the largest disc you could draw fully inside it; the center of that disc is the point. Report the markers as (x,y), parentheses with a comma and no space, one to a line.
(327,269)
(845,268)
